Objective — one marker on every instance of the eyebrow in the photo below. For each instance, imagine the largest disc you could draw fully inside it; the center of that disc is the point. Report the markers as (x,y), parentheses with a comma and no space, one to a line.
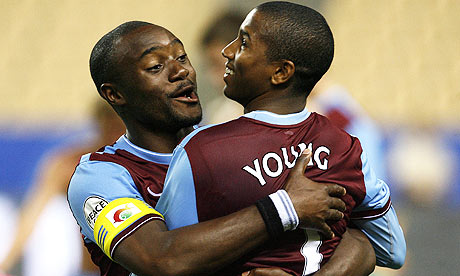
(156,47)
(244,33)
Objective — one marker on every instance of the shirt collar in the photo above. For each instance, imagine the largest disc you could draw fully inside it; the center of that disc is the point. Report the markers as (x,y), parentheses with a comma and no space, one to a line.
(125,144)
(277,119)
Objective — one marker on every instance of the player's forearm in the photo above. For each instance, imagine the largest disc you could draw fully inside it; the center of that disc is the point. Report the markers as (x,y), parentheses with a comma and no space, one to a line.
(225,240)
(198,249)
(354,256)
(205,247)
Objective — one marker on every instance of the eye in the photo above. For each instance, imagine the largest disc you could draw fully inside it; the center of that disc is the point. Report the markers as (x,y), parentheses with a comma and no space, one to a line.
(155,68)
(244,43)
(182,58)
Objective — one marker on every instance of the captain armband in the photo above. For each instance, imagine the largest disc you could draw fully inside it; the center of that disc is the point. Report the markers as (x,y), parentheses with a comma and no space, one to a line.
(278,213)
(119,219)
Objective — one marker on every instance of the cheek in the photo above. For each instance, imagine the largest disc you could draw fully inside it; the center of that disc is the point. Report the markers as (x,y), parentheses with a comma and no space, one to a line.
(245,63)
(152,99)
(192,74)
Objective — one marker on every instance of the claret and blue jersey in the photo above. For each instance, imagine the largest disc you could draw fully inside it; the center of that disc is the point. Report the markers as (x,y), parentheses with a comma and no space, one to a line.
(220,169)
(112,193)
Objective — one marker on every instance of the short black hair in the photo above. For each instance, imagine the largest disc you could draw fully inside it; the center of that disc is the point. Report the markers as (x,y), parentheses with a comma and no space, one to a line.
(101,62)
(301,35)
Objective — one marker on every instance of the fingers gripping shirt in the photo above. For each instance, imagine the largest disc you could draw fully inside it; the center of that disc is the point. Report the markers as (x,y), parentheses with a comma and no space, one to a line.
(119,219)
(257,150)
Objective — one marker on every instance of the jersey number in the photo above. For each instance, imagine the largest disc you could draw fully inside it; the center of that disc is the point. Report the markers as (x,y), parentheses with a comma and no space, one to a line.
(310,251)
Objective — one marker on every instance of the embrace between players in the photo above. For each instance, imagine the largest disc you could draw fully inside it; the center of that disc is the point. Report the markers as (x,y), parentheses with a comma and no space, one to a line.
(232,200)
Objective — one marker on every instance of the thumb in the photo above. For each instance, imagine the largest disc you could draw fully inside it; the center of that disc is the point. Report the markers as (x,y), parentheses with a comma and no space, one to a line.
(246,273)
(302,162)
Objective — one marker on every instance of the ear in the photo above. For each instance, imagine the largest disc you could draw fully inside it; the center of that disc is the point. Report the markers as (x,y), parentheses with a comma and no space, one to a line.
(111,94)
(284,70)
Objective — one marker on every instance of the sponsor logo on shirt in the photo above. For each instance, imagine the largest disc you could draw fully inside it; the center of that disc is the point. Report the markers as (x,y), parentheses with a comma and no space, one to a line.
(92,208)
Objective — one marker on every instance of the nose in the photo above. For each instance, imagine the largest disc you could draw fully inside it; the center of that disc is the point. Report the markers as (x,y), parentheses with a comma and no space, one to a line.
(177,72)
(228,52)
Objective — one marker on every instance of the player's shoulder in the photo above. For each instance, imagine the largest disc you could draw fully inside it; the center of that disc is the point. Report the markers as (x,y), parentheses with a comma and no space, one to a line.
(97,176)
(213,132)
(329,133)
(98,182)
(327,127)
(90,164)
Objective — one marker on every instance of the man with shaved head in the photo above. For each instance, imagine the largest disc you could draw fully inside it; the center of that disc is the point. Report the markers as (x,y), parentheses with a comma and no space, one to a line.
(143,72)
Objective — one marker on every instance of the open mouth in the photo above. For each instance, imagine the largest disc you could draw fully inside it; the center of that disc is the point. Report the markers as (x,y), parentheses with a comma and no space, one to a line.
(228,71)
(186,94)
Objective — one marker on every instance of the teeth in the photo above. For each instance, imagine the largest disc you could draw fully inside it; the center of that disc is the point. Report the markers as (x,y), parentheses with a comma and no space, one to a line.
(228,71)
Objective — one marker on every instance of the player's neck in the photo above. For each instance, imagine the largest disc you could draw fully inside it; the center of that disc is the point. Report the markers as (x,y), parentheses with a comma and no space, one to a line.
(156,141)
(278,104)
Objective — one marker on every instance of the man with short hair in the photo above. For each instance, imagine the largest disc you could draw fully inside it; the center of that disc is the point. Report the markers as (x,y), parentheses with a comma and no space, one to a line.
(143,72)
(281,52)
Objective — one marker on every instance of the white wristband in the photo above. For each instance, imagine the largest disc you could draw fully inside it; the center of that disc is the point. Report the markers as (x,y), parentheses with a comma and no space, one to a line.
(285,208)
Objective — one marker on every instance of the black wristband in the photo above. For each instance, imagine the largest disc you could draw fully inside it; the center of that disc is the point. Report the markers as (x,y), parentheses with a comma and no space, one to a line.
(270,216)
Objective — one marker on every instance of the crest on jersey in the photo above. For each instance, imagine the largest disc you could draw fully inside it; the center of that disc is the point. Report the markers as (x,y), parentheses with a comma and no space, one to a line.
(92,208)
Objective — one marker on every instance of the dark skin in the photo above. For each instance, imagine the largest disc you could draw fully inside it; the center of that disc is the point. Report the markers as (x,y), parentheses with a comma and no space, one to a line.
(146,92)
(155,95)
(355,256)
(259,84)
(255,82)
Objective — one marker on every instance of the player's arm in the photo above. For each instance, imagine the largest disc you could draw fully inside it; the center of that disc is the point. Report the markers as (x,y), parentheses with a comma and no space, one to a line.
(149,249)
(377,218)
(354,256)
(205,247)
(387,238)
(198,249)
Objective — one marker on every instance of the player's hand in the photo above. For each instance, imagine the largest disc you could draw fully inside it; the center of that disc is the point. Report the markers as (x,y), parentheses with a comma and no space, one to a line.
(266,272)
(314,202)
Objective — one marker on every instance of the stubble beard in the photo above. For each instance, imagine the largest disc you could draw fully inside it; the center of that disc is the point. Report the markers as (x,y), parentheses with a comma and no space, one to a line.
(177,120)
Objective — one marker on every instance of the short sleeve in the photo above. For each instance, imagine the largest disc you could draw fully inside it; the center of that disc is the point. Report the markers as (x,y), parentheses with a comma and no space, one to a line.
(93,185)
(178,201)
(377,199)
(120,218)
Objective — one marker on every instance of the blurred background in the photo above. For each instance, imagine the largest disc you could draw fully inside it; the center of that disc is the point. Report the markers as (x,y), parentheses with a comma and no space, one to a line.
(394,83)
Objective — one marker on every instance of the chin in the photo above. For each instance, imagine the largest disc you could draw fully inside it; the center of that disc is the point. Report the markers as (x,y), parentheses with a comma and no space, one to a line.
(193,119)
(227,93)
(234,98)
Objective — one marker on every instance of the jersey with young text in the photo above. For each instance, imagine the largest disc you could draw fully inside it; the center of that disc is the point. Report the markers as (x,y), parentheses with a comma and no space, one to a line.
(122,170)
(221,169)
